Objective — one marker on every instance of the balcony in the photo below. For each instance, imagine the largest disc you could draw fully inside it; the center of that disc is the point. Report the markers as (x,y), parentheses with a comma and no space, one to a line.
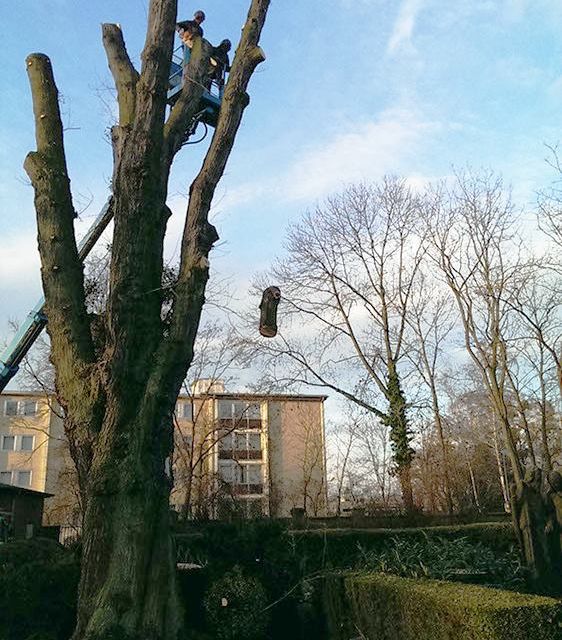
(230,424)
(247,489)
(240,454)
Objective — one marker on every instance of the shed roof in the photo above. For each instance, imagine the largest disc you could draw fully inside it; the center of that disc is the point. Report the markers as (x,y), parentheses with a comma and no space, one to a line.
(10,488)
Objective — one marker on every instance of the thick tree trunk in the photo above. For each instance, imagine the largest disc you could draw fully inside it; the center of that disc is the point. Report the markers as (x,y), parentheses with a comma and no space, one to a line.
(128,585)
(536,520)
(119,396)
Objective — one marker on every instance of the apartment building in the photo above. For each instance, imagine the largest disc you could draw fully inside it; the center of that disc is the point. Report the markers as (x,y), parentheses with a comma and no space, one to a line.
(34,452)
(236,454)
(248,454)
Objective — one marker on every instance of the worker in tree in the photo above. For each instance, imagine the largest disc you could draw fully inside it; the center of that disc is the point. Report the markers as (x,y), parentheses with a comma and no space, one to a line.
(190,29)
(220,62)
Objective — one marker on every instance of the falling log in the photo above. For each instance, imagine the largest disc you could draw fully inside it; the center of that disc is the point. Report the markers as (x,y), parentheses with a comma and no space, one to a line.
(268,307)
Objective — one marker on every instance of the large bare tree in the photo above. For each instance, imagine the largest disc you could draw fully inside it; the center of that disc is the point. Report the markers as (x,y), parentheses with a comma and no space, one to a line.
(477,248)
(346,284)
(117,379)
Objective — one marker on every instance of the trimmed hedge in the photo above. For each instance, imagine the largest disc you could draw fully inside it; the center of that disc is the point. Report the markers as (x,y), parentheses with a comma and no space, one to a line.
(338,548)
(384,607)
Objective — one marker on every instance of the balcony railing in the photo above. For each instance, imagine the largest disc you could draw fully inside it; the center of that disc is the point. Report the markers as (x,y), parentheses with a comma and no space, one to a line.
(229,424)
(240,454)
(247,489)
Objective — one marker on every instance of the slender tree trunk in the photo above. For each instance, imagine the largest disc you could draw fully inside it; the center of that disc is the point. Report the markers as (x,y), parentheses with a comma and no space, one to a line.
(501,475)
(444,452)
(546,456)
(474,487)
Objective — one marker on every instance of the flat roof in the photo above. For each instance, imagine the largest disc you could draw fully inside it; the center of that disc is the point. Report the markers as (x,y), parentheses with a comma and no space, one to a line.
(10,488)
(183,396)
(37,394)
(254,396)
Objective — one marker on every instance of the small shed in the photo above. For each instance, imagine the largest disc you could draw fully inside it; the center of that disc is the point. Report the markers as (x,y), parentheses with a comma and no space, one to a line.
(22,510)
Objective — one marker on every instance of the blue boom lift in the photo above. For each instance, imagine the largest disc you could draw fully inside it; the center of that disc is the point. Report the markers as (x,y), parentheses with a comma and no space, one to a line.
(36,320)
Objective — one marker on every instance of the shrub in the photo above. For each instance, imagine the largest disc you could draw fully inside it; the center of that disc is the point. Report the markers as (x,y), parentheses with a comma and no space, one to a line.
(38,591)
(235,607)
(382,607)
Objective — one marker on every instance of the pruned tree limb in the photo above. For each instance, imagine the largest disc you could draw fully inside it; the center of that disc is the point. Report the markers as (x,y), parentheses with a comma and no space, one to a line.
(155,71)
(176,351)
(72,349)
(124,73)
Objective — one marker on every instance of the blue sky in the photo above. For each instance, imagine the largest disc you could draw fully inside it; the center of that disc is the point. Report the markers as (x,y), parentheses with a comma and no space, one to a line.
(351,89)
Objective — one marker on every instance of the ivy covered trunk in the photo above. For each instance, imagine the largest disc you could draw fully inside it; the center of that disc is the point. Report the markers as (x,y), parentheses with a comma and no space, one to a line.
(118,374)
(400,437)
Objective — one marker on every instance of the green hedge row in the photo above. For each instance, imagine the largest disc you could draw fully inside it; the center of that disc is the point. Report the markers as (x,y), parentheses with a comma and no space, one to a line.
(384,607)
(338,548)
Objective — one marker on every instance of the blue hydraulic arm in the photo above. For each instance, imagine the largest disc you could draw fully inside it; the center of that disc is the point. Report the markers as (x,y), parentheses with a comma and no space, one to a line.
(35,322)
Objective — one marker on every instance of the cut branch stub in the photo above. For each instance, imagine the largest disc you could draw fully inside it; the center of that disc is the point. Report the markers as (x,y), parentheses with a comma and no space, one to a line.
(268,307)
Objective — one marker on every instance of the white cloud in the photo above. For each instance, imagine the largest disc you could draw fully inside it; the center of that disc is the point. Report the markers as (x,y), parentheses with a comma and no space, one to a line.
(404,25)
(368,152)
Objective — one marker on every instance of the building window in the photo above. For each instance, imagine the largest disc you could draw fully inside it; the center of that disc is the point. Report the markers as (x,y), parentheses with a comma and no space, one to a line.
(10,407)
(29,407)
(20,407)
(184,410)
(241,445)
(229,471)
(24,479)
(187,411)
(26,443)
(251,474)
(239,414)
(6,477)
(8,443)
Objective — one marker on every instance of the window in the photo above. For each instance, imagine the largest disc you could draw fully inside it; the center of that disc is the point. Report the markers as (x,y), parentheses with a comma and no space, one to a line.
(240,441)
(6,477)
(10,407)
(229,471)
(242,415)
(187,411)
(24,478)
(8,443)
(26,443)
(241,445)
(20,407)
(29,407)
(254,441)
(251,474)
(254,508)
(254,412)
(225,409)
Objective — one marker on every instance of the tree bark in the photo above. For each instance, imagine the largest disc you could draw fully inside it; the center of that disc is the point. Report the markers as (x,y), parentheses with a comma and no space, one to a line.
(119,396)
(536,520)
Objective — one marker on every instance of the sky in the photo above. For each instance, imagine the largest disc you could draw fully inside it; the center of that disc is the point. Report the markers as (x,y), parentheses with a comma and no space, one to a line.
(351,90)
